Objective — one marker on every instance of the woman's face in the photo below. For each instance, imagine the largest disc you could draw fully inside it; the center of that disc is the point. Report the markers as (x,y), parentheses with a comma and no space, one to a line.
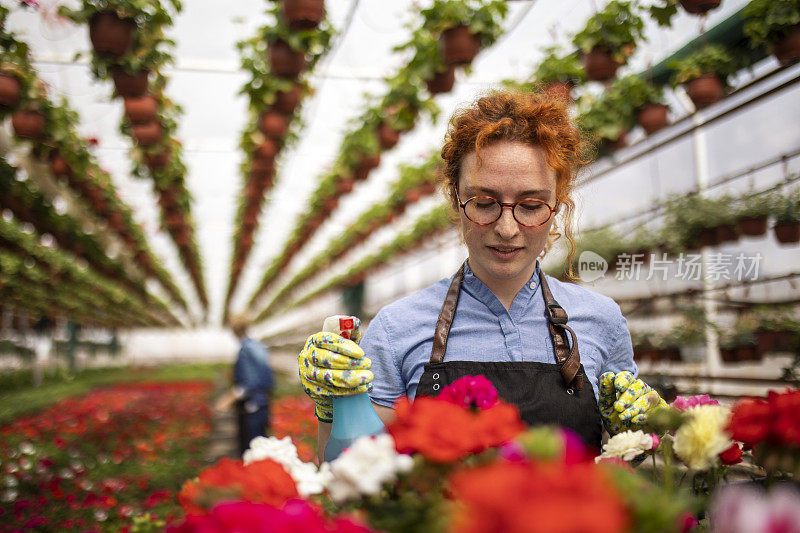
(506,251)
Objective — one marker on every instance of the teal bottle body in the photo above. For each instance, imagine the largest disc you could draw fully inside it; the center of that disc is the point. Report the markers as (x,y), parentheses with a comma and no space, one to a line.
(353,417)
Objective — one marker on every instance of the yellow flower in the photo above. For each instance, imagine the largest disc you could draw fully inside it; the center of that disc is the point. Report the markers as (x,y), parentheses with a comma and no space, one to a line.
(703,437)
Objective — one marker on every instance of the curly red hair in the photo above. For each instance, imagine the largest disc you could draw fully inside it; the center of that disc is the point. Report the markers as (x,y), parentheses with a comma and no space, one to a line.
(532,118)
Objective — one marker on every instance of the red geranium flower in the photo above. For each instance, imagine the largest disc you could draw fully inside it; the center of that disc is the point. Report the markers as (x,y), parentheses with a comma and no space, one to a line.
(776,419)
(732,455)
(750,421)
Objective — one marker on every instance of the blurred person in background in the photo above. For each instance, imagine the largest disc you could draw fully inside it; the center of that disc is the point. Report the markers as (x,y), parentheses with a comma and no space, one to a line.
(252,385)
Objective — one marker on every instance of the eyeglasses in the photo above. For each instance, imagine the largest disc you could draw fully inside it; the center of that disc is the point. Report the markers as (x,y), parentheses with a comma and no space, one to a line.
(528,212)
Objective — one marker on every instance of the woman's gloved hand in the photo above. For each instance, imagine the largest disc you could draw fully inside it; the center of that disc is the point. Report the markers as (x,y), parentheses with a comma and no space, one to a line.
(332,366)
(625,401)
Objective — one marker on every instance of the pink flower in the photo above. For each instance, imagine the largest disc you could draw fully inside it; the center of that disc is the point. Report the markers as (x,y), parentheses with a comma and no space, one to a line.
(656,441)
(681,403)
(470,391)
(513,452)
(575,451)
(687,522)
(744,509)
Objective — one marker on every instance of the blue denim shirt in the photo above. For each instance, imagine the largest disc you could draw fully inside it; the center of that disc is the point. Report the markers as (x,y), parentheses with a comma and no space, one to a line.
(400,337)
(252,372)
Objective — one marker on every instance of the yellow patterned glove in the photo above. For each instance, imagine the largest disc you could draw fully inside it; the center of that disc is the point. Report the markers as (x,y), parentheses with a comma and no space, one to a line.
(625,401)
(332,366)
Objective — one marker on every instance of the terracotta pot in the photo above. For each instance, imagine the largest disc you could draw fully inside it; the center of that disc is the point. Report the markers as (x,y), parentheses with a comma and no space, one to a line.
(426,187)
(141,110)
(287,101)
(775,341)
(167,198)
(266,180)
(752,226)
(365,167)
(273,125)
(442,82)
(9,91)
(267,150)
(303,14)
(174,219)
(696,7)
(708,237)
(787,50)
(561,90)
(59,166)
(653,117)
(130,85)
(147,134)
(459,46)
(728,355)
(28,124)
(612,145)
(254,189)
(260,166)
(787,232)
(157,161)
(726,233)
(413,196)
(705,90)
(599,65)
(284,61)
(345,185)
(387,137)
(111,36)
(747,353)
(116,222)
(249,220)
(314,223)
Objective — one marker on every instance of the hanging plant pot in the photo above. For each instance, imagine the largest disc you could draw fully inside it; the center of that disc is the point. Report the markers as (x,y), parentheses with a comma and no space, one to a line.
(130,85)
(599,65)
(265,180)
(413,196)
(28,124)
(365,167)
(653,117)
(345,185)
(285,61)
(726,233)
(141,110)
(708,237)
(728,355)
(303,14)
(787,232)
(561,90)
(253,189)
(147,134)
(110,35)
(249,219)
(442,82)
(116,222)
(267,150)
(330,204)
(273,125)
(314,223)
(705,90)
(747,353)
(427,187)
(9,91)
(387,137)
(752,226)
(287,101)
(59,166)
(459,46)
(774,341)
(698,7)
(260,166)
(174,219)
(167,198)
(612,145)
(157,161)
(787,50)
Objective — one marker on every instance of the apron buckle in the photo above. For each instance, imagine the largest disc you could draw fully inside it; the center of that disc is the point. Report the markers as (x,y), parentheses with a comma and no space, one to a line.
(557,314)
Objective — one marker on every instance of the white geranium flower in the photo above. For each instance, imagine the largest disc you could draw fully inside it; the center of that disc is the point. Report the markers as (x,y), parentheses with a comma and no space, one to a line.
(308,479)
(365,466)
(703,436)
(627,445)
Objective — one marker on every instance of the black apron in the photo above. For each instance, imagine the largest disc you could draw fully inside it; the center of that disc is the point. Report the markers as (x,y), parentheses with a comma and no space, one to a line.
(544,393)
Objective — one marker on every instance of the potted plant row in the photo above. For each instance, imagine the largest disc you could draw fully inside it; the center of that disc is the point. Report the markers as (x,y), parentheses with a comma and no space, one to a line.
(774,24)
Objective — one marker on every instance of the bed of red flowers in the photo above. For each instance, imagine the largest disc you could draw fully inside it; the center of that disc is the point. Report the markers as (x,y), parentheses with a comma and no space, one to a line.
(293,416)
(104,461)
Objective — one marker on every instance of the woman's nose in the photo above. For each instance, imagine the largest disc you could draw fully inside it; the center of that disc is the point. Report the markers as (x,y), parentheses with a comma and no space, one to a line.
(506,226)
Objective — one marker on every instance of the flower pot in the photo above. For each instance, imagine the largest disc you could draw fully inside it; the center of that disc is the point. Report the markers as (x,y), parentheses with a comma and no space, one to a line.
(365,167)
(747,353)
(787,50)
(442,82)
(787,232)
(726,233)
(28,124)
(459,46)
(116,222)
(130,85)
(167,198)
(427,187)
(387,137)
(110,35)
(752,226)
(345,185)
(775,341)
(9,91)
(174,219)
(267,150)
(696,7)
(254,189)
(157,161)
(303,14)
(260,166)
(653,117)
(561,90)
(314,223)
(287,101)
(599,65)
(273,125)
(707,237)
(265,180)
(147,134)
(612,145)
(284,61)
(330,203)
(413,196)
(728,355)
(705,90)
(59,166)
(140,110)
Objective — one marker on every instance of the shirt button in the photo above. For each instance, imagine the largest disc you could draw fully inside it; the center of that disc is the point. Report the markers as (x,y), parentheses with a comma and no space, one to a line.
(532,285)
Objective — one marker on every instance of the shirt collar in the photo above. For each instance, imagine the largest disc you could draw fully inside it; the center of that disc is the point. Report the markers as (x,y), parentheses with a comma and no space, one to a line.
(480,291)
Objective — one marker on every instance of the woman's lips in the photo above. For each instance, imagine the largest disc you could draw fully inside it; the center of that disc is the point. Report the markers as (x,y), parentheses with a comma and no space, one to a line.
(504,252)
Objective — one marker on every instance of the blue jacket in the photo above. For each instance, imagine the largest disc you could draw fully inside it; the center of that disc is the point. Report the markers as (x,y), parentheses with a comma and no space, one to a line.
(252,372)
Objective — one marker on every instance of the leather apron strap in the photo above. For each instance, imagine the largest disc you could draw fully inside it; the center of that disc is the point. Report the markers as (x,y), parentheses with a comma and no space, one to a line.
(568,359)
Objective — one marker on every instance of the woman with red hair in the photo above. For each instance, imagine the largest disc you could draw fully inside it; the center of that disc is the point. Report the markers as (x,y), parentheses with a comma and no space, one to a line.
(559,352)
